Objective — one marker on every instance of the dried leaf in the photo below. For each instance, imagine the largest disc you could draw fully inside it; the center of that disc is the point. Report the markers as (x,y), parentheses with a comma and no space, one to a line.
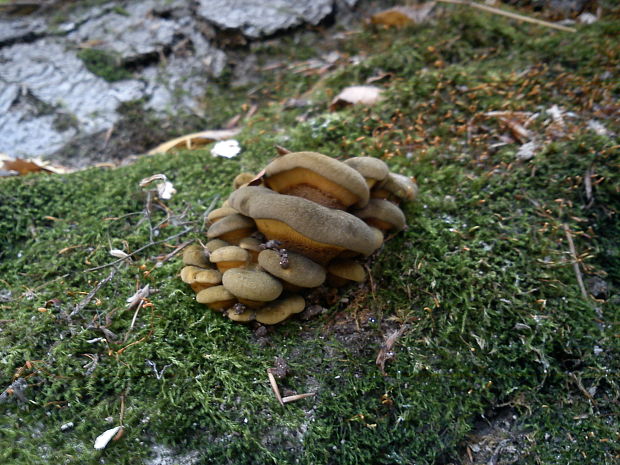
(118,253)
(34,165)
(527,151)
(195,140)
(401,16)
(165,189)
(226,148)
(362,95)
(104,438)
(138,296)
(385,353)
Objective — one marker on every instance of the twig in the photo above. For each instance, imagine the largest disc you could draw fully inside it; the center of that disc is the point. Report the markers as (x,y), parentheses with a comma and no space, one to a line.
(573,253)
(86,300)
(385,352)
(295,397)
(274,386)
(150,244)
(509,14)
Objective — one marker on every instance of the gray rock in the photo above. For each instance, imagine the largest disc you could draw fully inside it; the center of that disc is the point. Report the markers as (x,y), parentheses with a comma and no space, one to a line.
(20,29)
(43,81)
(132,32)
(258,18)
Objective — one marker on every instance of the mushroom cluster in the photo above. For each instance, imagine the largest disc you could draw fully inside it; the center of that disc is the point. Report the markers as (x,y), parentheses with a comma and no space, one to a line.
(304,223)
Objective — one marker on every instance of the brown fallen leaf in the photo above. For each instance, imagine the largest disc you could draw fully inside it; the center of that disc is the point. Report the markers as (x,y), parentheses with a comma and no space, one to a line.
(356,95)
(402,16)
(32,165)
(195,140)
(385,353)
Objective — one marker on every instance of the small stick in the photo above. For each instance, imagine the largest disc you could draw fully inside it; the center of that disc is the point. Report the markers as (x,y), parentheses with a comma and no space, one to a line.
(509,14)
(573,253)
(587,180)
(274,386)
(288,399)
(86,300)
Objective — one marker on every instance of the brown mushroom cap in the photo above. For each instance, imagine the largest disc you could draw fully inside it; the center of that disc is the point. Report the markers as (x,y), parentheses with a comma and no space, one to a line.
(317,177)
(279,310)
(188,273)
(373,169)
(206,278)
(318,232)
(382,214)
(301,271)
(396,187)
(252,245)
(216,298)
(232,228)
(220,213)
(343,271)
(229,257)
(245,316)
(241,179)
(195,255)
(215,244)
(252,285)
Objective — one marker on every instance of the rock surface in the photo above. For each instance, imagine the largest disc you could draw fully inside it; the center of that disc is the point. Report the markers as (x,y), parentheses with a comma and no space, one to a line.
(51,99)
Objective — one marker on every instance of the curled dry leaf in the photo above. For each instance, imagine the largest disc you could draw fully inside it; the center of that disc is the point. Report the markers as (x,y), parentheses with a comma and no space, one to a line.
(165,189)
(195,140)
(104,438)
(356,95)
(386,353)
(138,296)
(401,16)
(21,166)
(118,253)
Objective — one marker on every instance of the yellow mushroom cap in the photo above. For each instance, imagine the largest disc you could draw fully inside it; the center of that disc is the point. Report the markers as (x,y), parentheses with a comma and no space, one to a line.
(195,255)
(318,232)
(220,213)
(373,169)
(252,285)
(382,214)
(241,179)
(279,310)
(215,244)
(208,277)
(188,273)
(343,271)
(216,297)
(317,177)
(229,253)
(399,186)
(232,228)
(301,271)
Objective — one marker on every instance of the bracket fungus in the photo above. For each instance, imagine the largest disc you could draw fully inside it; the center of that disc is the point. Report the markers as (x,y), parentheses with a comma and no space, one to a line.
(313,214)
(231,228)
(318,178)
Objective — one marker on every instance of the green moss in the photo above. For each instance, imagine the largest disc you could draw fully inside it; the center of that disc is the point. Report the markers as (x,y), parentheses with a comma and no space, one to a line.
(104,64)
(482,278)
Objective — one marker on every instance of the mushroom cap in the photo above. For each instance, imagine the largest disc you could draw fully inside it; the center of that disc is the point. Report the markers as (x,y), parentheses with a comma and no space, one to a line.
(229,253)
(371,168)
(301,271)
(244,317)
(383,215)
(208,277)
(195,255)
(216,297)
(318,232)
(400,186)
(188,273)
(215,244)
(251,244)
(220,213)
(252,285)
(231,228)
(317,177)
(347,269)
(280,310)
(241,179)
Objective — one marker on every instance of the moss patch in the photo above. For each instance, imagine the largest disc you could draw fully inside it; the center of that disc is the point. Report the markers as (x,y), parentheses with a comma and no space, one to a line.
(483,278)
(104,64)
